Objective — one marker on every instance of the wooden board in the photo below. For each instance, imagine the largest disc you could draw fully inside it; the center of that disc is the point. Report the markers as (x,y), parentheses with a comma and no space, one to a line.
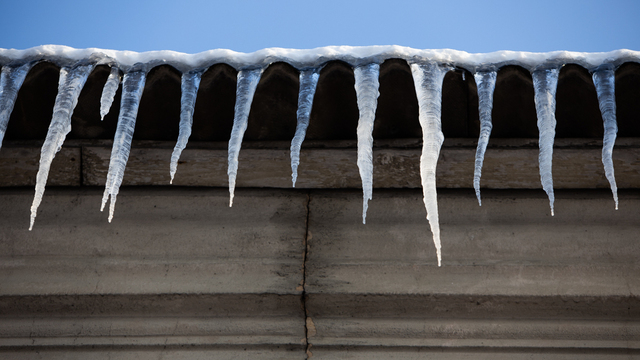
(515,168)
(19,166)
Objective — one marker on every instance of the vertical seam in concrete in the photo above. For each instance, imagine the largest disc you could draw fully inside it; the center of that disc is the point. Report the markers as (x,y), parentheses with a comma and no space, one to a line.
(81,160)
(304,277)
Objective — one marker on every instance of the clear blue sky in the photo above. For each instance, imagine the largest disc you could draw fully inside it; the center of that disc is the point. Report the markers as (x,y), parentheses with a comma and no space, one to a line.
(194,26)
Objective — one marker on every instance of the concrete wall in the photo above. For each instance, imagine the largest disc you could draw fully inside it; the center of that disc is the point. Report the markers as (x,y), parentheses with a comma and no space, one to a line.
(288,274)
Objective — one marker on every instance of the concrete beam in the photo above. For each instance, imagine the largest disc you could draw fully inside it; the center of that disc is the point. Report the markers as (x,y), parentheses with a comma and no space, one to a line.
(513,277)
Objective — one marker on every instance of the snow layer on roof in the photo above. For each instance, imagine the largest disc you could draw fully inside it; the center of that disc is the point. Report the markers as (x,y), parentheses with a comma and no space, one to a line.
(299,58)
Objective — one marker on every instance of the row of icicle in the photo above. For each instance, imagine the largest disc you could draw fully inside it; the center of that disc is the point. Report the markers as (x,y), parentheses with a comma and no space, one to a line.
(428,78)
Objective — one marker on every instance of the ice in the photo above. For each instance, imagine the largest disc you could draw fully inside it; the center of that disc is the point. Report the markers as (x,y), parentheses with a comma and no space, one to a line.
(367,93)
(109,91)
(428,68)
(428,77)
(604,80)
(70,84)
(246,87)
(132,88)
(10,82)
(308,84)
(545,83)
(190,84)
(486,83)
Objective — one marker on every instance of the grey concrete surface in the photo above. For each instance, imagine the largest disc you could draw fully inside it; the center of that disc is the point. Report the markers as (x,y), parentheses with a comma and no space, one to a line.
(175,268)
(513,277)
(158,352)
(156,241)
(179,274)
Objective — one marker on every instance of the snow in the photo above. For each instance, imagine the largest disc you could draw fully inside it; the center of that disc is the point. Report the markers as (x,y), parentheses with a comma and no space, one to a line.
(367,93)
(428,68)
(302,58)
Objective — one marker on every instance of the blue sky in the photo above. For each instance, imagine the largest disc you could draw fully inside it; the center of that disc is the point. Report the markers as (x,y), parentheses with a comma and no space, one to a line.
(194,26)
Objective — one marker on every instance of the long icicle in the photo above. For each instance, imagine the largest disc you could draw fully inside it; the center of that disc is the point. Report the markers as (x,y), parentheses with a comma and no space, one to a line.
(190,85)
(246,87)
(10,82)
(132,88)
(109,91)
(70,84)
(545,84)
(308,83)
(605,82)
(428,78)
(367,93)
(486,83)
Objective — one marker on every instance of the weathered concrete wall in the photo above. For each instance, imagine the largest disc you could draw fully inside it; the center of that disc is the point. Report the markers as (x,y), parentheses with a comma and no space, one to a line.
(514,280)
(175,268)
(293,273)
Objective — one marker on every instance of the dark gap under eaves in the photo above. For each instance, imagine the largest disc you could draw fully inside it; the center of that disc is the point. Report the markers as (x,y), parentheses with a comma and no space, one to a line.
(335,112)
(273,110)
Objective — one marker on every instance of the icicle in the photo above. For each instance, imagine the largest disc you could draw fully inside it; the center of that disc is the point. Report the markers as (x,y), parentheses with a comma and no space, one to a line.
(308,83)
(464,75)
(486,82)
(604,80)
(132,88)
(367,93)
(246,87)
(545,83)
(428,78)
(10,82)
(109,91)
(70,84)
(190,84)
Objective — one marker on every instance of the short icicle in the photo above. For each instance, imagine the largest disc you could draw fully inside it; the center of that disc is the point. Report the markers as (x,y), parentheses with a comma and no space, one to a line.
(132,88)
(308,83)
(428,78)
(367,93)
(109,91)
(545,83)
(246,87)
(604,80)
(70,83)
(10,82)
(486,83)
(190,84)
